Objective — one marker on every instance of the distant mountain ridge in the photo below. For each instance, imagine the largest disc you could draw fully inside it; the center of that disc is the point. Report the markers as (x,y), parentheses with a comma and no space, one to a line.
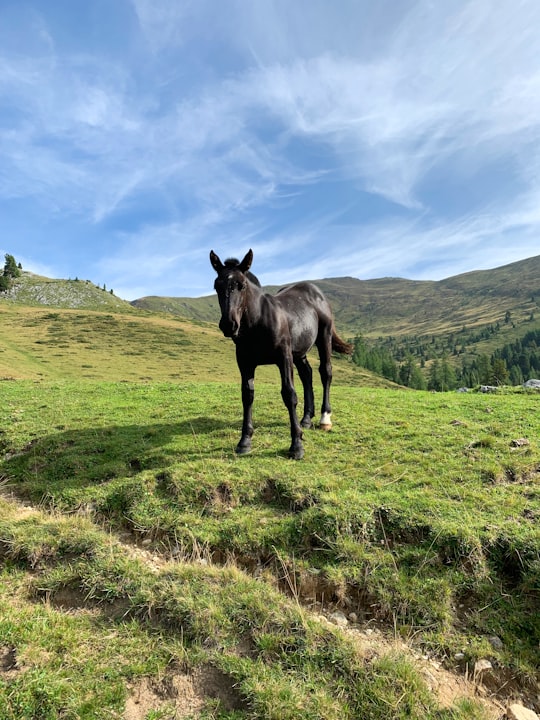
(397,306)
(464,315)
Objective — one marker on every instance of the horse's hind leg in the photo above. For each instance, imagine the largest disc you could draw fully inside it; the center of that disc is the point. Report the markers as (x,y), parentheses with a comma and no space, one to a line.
(306,376)
(324,346)
(288,393)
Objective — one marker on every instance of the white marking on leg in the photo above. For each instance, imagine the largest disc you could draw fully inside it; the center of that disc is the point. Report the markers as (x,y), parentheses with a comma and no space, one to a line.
(326,421)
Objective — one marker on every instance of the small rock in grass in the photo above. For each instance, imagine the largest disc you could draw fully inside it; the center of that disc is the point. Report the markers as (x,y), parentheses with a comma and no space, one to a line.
(520,442)
(495,642)
(519,712)
(339,619)
(482,665)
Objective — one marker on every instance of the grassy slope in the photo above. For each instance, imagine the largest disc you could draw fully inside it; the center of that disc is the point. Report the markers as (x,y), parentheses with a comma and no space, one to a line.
(42,343)
(89,637)
(398,307)
(58,343)
(376,308)
(30,289)
(401,515)
(205,309)
(416,512)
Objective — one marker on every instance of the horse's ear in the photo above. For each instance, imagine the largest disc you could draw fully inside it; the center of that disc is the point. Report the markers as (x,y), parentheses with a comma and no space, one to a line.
(246,262)
(216,262)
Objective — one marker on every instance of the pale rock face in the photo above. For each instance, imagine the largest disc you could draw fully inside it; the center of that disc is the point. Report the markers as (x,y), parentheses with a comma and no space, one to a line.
(519,712)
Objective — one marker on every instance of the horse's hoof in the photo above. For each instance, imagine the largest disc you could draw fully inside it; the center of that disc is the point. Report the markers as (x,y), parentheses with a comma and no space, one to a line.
(306,424)
(296,453)
(326,421)
(243,449)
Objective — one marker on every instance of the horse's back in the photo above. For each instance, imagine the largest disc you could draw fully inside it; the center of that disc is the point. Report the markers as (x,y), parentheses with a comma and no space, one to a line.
(308,289)
(303,293)
(307,311)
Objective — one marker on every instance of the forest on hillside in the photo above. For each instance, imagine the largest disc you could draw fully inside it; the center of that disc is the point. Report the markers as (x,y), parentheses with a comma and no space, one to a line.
(407,364)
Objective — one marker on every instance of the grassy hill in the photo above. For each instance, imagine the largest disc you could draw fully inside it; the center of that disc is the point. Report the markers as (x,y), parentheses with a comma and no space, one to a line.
(42,344)
(205,309)
(31,289)
(405,308)
(506,300)
(393,306)
(147,572)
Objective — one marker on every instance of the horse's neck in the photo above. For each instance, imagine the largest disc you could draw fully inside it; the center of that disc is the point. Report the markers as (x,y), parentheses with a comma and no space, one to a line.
(252,310)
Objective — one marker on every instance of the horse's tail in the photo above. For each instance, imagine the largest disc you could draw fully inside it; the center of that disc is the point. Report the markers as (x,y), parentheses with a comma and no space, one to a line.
(339,345)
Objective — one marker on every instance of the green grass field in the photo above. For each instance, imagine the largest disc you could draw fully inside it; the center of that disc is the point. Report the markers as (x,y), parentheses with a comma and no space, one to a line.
(149,563)
(148,572)
(62,344)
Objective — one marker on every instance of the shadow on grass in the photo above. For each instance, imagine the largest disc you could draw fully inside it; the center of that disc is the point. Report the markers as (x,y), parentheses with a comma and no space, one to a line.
(74,459)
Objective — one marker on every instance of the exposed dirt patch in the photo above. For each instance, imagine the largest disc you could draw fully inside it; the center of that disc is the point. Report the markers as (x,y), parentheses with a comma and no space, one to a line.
(73,601)
(447,686)
(8,661)
(220,500)
(182,694)
(140,550)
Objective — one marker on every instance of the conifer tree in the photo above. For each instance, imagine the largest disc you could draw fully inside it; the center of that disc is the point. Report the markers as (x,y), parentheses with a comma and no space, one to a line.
(499,372)
(11,270)
(435,381)
(448,375)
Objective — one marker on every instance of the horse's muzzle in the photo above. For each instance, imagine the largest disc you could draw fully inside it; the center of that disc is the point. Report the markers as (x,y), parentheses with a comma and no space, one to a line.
(230,328)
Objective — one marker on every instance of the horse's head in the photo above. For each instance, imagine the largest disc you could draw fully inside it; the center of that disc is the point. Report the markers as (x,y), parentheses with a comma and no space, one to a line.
(231,286)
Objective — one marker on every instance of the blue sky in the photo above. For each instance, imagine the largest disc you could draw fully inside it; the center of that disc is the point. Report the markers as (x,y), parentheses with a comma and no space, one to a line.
(349,138)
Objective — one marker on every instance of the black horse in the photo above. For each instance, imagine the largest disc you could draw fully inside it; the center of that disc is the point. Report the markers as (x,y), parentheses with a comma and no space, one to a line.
(277,330)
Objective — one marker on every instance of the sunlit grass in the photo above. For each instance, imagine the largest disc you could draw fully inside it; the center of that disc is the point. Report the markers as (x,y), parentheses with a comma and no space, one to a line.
(84,619)
(400,502)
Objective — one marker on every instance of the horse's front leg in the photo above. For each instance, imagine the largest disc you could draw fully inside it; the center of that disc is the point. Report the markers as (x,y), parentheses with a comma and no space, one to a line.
(288,393)
(248,393)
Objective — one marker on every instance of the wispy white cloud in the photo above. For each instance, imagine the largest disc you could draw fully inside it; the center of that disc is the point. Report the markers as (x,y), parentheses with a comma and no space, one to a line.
(220,119)
(446,85)
(389,126)
(406,248)
(163,23)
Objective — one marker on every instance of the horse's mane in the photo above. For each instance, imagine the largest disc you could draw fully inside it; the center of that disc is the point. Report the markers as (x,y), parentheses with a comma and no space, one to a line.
(234,264)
